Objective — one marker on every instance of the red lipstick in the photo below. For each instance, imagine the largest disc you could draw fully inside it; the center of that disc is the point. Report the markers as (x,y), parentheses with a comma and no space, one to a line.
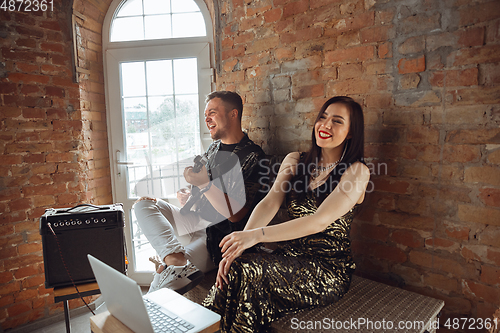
(324,135)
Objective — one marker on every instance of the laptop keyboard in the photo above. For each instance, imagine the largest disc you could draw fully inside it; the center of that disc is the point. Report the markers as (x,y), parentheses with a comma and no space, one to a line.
(163,322)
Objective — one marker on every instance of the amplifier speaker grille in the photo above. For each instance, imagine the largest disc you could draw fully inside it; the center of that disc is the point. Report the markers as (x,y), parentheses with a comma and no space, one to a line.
(104,242)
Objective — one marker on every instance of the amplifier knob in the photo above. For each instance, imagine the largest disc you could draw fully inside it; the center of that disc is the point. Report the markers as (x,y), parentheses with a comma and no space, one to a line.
(96,220)
(73,222)
(78,222)
(67,223)
(103,220)
(87,221)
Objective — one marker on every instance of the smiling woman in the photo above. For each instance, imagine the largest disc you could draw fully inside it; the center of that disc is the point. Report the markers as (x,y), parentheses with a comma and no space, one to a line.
(331,130)
(335,120)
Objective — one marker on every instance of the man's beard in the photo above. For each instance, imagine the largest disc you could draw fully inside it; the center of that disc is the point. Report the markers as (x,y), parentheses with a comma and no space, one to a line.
(219,134)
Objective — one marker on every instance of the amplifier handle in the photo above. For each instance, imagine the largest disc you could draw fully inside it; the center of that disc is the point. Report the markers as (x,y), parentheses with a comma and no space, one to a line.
(80,205)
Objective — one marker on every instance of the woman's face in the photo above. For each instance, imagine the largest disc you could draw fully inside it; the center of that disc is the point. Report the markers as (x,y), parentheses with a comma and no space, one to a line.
(332,128)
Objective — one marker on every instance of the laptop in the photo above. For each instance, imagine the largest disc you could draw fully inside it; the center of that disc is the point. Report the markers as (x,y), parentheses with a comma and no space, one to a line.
(124,300)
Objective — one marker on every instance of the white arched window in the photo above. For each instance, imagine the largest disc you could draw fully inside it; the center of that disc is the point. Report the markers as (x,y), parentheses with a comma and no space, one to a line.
(157,74)
(157,19)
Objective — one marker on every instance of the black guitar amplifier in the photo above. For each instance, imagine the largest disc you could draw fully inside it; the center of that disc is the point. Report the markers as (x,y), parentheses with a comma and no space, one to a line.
(81,230)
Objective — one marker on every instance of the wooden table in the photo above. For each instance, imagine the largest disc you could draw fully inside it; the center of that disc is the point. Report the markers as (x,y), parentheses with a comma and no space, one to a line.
(64,294)
(106,323)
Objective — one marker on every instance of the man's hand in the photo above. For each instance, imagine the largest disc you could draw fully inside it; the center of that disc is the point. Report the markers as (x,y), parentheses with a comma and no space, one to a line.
(199,179)
(183,195)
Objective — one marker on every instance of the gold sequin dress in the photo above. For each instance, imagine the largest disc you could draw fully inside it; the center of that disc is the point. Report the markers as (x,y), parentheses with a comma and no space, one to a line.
(303,273)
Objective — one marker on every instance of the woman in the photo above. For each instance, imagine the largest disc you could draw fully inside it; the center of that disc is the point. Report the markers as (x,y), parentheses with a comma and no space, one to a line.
(313,265)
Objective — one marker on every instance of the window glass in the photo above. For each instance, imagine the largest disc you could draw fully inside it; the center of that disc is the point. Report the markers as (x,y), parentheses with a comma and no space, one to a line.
(186,76)
(133,75)
(188,25)
(183,6)
(157,19)
(160,81)
(161,113)
(130,8)
(128,28)
(152,7)
(158,26)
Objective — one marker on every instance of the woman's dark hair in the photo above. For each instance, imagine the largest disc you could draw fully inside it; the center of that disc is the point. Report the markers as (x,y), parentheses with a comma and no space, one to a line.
(354,150)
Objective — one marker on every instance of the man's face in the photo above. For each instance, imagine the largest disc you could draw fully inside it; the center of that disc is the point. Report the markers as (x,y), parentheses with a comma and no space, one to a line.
(217,119)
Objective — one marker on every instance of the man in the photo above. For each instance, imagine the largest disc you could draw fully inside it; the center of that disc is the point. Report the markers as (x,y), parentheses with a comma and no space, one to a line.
(185,247)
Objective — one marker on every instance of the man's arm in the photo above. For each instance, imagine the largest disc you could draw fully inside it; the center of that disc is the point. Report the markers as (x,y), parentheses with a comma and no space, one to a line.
(240,185)
(226,205)
(255,177)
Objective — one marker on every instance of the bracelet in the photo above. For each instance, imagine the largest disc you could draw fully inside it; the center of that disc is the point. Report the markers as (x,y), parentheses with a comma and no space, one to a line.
(205,189)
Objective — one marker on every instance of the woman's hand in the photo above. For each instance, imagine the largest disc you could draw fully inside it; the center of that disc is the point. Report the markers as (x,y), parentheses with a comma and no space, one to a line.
(232,246)
(224,265)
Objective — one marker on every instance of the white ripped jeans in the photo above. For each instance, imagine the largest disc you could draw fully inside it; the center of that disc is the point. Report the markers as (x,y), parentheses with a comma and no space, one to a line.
(168,231)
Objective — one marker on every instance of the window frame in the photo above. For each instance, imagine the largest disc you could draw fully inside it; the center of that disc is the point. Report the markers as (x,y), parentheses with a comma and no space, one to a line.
(145,45)
(143,50)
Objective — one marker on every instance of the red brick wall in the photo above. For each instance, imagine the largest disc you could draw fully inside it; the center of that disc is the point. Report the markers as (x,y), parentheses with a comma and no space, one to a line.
(53,143)
(427,74)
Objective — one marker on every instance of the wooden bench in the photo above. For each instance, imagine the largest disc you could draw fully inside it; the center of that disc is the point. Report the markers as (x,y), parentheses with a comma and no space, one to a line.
(368,306)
